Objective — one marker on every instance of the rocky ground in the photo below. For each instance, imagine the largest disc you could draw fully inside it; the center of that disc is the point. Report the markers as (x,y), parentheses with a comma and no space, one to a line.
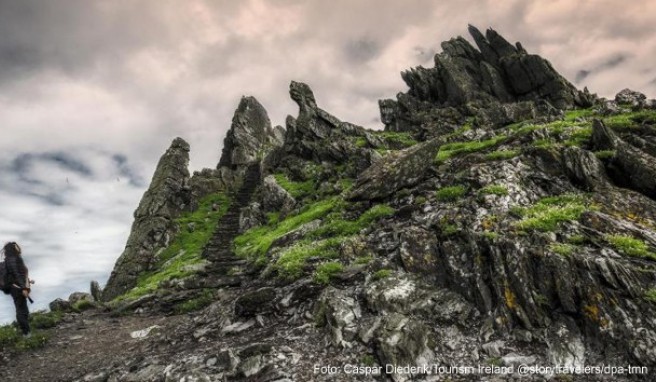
(503,219)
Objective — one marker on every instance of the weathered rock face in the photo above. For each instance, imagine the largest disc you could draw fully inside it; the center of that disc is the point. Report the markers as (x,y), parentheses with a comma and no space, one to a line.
(530,243)
(497,84)
(317,135)
(167,197)
(629,166)
(250,137)
(395,172)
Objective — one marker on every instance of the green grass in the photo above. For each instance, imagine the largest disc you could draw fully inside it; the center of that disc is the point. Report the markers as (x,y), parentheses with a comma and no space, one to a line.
(255,242)
(185,248)
(45,320)
(361,142)
(449,229)
(363,260)
(630,120)
(573,115)
(291,263)
(83,305)
(546,143)
(198,303)
(631,246)
(502,154)
(494,189)
(605,154)
(451,193)
(12,338)
(397,139)
(336,226)
(295,189)
(450,150)
(381,274)
(577,240)
(562,249)
(326,271)
(650,295)
(547,214)
(579,137)
(490,235)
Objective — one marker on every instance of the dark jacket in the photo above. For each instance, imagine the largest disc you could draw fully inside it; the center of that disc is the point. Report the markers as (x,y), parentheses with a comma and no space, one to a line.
(16,271)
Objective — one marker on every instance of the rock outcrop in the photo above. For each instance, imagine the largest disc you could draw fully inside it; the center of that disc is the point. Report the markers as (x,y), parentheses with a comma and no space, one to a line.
(497,84)
(167,197)
(459,236)
(250,137)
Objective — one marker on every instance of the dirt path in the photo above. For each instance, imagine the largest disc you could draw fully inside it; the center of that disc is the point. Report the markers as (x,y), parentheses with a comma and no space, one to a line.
(82,344)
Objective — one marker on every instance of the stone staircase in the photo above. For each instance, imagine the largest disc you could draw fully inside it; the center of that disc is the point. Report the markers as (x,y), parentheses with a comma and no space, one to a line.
(226,269)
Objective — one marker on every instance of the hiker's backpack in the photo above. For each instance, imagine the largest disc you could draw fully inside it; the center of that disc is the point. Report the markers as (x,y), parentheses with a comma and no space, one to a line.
(4,282)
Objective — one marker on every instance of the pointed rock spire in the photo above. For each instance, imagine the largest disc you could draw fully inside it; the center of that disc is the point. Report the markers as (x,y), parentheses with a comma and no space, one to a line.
(250,135)
(166,198)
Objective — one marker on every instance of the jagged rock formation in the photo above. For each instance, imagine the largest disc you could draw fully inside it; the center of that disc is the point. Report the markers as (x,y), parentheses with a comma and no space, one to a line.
(497,84)
(167,196)
(249,137)
(483,244)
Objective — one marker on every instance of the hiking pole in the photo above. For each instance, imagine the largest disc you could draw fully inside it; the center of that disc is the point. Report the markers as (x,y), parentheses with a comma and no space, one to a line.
(28,296)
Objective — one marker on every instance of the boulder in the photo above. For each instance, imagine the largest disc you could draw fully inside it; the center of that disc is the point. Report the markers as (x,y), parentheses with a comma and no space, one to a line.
(395,172)
(257,302)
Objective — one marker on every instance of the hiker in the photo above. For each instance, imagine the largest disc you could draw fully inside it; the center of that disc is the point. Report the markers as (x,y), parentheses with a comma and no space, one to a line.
(18,281)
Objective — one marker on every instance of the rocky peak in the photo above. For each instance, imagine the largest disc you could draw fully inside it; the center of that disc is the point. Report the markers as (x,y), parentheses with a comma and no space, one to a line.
(497,84)
(249,137)
(303,96)
(167,197)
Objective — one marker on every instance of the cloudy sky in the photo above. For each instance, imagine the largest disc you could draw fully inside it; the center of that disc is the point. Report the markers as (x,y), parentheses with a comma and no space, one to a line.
(93,92)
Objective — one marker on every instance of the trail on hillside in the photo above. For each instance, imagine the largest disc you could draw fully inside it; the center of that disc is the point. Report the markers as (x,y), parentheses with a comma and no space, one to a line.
(83,344)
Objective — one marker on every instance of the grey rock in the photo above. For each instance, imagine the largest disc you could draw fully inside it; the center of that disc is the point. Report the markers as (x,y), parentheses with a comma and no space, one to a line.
(342,313)
(60,305)
(395,172)
(250,137)
(631,98)
(256,302)
(166,198)
(584,168)
(96,291)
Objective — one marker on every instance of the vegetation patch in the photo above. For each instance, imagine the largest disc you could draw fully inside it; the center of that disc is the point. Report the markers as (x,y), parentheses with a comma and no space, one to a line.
(395,139)
(631,120)
(326,271)
(336,226)
(450,150)
(45,320)
(198,303)
(562,249)
(631,246)
(295,189)
(11,338)
(577,114)
(502,154)
(451,193)
(381,274)
(650,295)
(83,305)
(255,242)
(291,263)
(494,189)
(548,213)
(178,259)
(605,154)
